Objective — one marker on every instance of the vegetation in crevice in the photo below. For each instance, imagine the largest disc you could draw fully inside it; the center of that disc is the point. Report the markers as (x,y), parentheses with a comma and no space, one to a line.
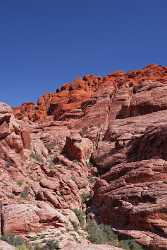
(15,241)
(24,194)
(35,156)
(21,244)
(103,234)
(85,197)
(80,215)
(52,245)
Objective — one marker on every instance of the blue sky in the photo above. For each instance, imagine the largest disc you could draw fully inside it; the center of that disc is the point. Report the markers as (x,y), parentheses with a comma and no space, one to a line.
(44,43)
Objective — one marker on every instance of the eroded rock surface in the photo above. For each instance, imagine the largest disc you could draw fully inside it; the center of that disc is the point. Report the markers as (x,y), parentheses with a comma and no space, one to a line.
(112,129)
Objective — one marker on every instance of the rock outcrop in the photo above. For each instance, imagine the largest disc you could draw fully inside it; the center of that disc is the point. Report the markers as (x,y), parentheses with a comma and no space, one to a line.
(112,130)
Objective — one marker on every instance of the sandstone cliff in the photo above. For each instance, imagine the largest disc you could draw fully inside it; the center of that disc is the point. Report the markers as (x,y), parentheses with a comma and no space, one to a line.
(103,137)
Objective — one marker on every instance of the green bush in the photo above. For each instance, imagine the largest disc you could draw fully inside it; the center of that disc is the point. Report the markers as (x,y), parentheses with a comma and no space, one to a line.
(51,164)
(48,245)
(23,247)
(24,194)
(101,234)
(52,245)
(16,241)
(85,197)
(80,215)
(75,225)
(130,245)
(36,157)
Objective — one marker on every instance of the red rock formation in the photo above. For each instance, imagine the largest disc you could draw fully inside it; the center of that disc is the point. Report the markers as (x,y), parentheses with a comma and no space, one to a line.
(72,95)
(113,126)
(69,97)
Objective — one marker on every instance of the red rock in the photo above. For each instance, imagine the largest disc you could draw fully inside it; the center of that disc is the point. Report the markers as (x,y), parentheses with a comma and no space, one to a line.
(19,218)
(49,151)
(78,148)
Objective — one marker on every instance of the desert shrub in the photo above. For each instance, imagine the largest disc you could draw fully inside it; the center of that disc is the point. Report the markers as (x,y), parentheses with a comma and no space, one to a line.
(47,245)
(19,183)
(51,164)
(24,194)
(75,225)
(36,157)
(80,215)
(85,197)
(23,247)
(16,241)
(9,162)
(52,245)
(130,244)
(101,234)
(92,179)
(50,146)
(92,161)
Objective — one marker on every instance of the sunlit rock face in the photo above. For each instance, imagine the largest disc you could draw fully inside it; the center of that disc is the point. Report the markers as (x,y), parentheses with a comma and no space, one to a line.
(111,128)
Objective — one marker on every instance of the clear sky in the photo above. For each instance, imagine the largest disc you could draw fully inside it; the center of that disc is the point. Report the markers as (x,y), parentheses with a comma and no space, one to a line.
(44,43)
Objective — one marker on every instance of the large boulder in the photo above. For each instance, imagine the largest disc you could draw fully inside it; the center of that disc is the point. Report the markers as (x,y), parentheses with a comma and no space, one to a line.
(78,148)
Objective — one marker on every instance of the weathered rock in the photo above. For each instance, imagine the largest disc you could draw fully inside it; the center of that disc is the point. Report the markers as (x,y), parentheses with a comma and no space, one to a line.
(19,218)
(113,127)
(5,246)
(136,193)
(78,148)
(5,110)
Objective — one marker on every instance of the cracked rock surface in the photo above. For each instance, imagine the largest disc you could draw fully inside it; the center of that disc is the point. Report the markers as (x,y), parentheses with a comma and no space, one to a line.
(112,130)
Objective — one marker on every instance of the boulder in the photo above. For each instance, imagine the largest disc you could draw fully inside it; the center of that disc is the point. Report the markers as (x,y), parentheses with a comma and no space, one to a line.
(78,148)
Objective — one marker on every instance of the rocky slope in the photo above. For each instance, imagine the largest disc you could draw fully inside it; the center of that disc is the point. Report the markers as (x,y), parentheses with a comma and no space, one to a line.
(104,136)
